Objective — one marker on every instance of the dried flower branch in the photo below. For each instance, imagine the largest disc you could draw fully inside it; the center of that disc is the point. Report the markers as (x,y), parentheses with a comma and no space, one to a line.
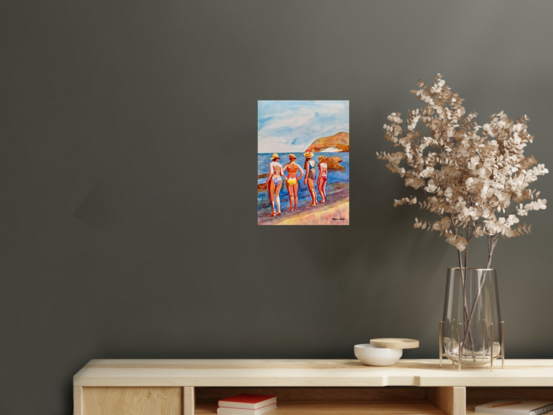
(475,178)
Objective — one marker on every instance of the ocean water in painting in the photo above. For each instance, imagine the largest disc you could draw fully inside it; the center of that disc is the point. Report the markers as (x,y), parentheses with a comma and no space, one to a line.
(300,128)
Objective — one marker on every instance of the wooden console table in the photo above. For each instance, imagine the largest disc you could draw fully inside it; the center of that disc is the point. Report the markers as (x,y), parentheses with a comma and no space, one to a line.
(188,387)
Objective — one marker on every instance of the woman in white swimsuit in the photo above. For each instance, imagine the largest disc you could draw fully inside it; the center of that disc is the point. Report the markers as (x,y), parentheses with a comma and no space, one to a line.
(274,183)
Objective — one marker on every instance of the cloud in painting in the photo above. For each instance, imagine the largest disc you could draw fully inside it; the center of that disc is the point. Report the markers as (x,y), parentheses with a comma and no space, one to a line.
(291,126)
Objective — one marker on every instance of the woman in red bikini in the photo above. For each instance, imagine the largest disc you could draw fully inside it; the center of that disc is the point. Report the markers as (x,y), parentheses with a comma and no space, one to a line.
(323,176)
(310,174)
(274,183)
(292,181)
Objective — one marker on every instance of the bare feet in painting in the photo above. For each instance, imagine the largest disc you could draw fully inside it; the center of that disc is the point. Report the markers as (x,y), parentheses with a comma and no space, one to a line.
(278,214)
(273,214)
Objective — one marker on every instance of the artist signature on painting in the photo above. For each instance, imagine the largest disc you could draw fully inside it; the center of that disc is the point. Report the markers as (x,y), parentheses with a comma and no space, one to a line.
(338,218)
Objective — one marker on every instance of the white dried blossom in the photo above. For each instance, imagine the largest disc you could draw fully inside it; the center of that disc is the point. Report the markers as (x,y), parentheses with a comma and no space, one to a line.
(474,177)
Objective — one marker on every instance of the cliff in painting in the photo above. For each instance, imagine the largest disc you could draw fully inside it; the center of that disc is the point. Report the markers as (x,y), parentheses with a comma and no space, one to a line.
(336,143)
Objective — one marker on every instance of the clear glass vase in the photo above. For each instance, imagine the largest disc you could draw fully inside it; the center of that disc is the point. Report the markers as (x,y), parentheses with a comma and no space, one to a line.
(471,332)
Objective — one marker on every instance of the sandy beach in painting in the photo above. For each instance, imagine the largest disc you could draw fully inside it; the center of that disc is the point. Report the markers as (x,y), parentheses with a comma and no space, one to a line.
(335,212)
(340,211)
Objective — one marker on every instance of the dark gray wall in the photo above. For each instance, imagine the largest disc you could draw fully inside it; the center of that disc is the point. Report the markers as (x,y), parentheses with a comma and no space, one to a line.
(128,156)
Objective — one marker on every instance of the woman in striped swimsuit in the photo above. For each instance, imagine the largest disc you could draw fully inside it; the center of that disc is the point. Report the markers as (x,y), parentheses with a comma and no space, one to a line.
(274,183)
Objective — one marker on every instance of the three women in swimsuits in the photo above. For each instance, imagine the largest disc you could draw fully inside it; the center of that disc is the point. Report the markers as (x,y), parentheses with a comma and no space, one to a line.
(310,174)
(292,181)
(323,177)
(274,183)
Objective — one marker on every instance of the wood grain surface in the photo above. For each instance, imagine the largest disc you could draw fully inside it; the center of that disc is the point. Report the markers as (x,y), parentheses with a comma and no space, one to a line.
(77,400)
(305,373)
(450,400)
(189,400)
(132,401)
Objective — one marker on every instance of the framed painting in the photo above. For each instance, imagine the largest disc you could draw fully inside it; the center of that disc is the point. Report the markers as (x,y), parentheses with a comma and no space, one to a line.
(303,163)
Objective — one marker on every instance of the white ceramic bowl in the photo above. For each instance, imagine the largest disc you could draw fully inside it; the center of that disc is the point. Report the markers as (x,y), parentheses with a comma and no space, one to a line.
(377,356)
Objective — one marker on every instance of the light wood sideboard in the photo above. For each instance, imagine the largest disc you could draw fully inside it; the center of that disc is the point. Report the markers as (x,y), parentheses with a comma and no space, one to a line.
(187,387)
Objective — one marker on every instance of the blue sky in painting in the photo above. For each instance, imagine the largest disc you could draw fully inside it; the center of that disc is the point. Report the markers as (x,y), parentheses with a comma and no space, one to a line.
(291,126)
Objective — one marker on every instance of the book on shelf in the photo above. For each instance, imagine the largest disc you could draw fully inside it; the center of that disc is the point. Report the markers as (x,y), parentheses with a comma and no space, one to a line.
(247,404)
(242,411)
(515,407)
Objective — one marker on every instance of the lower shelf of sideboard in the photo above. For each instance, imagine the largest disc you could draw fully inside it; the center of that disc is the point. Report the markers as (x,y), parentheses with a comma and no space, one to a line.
(332,408)
(347,401)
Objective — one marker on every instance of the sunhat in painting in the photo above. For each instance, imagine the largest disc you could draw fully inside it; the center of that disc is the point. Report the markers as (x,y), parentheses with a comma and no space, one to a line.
(275,156)
(321,158)
(308,154)
(292,156)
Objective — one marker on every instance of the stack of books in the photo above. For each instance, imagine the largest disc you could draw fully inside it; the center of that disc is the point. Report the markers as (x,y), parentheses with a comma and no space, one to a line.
(516,407)
(246,404)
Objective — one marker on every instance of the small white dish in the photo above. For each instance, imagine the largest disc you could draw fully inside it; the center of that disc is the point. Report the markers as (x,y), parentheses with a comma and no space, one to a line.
(376,356)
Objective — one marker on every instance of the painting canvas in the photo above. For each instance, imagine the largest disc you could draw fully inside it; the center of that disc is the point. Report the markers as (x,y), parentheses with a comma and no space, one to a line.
(303,163)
